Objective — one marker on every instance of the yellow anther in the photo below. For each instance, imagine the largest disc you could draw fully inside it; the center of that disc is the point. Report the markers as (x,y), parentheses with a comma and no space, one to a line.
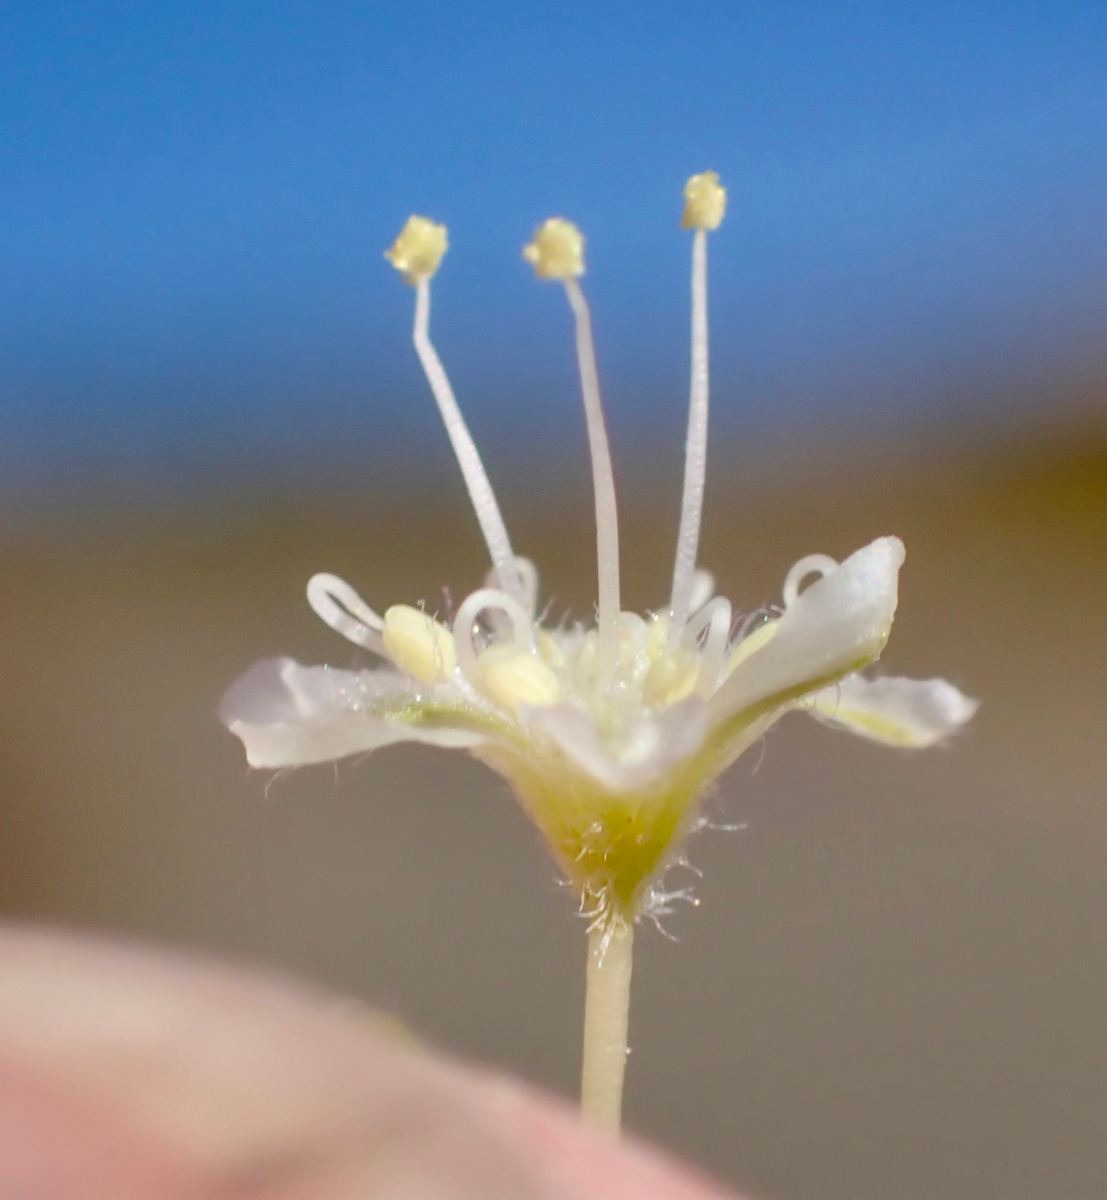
(418,644)
(512,677)
(704,202)
(557,251)
(418,250)
(760,637)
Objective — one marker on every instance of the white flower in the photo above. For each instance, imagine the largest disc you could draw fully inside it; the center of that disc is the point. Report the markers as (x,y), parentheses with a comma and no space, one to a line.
(607,735)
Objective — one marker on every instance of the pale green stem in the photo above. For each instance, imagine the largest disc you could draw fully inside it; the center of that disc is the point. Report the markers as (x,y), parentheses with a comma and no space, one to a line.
(606,1007)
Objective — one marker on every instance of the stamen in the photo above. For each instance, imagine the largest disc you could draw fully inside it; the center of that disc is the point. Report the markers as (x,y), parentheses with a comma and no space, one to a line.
(345,612)
(416,254)
(418,644)
(705,204)
(466,620)
(813,564)
(419,249)
(603,477)
(557,252)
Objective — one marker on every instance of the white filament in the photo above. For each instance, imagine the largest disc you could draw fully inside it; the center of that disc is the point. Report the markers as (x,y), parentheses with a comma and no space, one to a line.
(813,564)
(713,619)
(468,457)
(335,602)
(465,623)
(603,478)
(695,450)
(527,574)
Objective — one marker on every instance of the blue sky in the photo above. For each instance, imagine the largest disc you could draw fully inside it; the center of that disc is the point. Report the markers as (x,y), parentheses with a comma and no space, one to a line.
(196,196)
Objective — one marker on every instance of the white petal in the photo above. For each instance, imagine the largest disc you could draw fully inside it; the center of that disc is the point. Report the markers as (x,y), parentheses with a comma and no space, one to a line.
(288,715)
(898,712)
(653,743)
(835,627)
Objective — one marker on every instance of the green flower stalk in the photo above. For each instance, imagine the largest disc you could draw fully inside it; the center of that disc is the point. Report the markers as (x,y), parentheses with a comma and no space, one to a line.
(609,735)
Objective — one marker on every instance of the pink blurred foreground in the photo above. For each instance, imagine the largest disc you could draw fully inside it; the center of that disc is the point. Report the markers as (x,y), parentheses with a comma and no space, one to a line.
(128,1074)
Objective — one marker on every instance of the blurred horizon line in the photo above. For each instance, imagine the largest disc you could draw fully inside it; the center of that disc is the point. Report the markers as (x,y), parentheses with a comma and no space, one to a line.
(391,478)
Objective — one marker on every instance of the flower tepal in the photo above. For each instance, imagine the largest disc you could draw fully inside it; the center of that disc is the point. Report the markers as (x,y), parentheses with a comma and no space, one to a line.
(609,734)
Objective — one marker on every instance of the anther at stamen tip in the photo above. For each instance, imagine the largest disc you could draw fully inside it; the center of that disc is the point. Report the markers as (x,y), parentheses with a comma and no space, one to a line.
(557,251)
(704,202)
(419,249)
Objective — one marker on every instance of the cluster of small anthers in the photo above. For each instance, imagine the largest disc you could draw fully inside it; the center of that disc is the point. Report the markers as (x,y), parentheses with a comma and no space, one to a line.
(608,735)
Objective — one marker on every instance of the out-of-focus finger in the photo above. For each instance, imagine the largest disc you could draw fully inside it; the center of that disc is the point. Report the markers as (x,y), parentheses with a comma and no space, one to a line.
(129,1075)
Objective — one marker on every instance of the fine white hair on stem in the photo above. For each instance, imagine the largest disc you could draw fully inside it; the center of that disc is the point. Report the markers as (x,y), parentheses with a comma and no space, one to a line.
(472,607)
(468,457)
(603,477)
(695,452)
(813,564)
(336,603)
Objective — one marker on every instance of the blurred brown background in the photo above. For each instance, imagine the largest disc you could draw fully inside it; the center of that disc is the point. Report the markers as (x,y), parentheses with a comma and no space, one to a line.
(896,984)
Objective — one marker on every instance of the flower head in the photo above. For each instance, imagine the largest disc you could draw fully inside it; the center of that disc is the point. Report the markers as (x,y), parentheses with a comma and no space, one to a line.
(607,735)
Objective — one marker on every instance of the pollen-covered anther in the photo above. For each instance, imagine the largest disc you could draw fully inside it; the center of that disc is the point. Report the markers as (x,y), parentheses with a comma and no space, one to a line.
(704,202)
(557,251)
(418,644)
(418,250)
(513,678)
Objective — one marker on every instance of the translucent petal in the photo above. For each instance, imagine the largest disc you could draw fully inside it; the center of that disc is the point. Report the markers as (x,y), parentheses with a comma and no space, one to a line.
(288,715)
(897,712)
(835,627)
(648,748)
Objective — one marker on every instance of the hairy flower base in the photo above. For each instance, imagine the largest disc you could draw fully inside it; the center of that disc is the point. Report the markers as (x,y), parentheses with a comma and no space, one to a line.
(614,845)
(608,766)
(611,845)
